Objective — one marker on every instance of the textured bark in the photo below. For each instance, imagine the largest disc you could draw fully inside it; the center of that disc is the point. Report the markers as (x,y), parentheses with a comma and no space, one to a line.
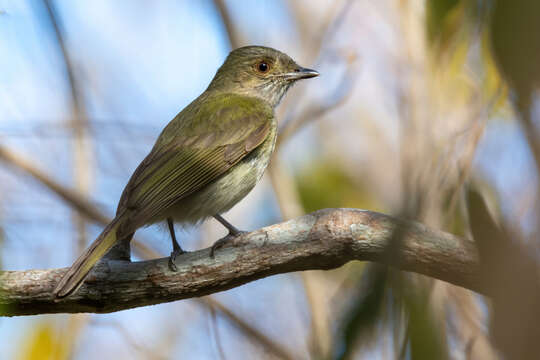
(323,240)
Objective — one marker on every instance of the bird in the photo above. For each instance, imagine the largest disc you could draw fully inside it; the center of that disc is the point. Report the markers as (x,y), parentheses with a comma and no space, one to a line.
(209,157)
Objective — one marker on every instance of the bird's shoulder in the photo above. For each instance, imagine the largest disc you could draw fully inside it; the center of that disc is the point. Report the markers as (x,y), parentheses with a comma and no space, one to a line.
(216,120)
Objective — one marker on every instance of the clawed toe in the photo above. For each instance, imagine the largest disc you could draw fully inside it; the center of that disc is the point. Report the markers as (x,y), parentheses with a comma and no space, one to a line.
(224,240)
(172,259)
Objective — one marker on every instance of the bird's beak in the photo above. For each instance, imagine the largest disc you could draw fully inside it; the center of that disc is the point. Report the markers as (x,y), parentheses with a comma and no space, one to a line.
(301,73)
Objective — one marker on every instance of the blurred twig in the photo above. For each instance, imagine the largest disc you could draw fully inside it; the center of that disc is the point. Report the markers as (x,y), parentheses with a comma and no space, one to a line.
(72,197)
(510,273)
(476,130)
(290,207)
(82,171)
(292,121)
(247,329)
(231,32)
(291,124)
(317,44)
(135,343)
(285,190)
(215,331)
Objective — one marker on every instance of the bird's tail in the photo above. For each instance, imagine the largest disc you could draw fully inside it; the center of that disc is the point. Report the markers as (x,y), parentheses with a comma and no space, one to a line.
(76,274)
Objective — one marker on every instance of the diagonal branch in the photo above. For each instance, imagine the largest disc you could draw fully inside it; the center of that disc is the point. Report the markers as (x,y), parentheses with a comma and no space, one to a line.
(323,240)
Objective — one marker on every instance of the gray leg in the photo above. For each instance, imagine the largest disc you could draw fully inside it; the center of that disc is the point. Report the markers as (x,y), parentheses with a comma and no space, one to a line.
(232,229)
(233,233)
(177,249)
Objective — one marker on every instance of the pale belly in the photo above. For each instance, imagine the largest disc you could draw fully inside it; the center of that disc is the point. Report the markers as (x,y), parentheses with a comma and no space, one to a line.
(221,195)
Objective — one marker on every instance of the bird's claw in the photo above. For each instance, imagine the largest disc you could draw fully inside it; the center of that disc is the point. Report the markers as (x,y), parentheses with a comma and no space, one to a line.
(172,259)
(224,240)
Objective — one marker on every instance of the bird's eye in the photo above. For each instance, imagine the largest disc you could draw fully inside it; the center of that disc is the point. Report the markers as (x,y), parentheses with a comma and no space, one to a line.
(263,66)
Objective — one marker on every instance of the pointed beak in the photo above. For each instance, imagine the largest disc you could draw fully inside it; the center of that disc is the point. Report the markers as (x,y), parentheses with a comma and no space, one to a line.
(301,73)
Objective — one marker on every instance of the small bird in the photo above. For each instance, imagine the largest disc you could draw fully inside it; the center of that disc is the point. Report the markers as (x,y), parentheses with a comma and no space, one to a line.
(206,159)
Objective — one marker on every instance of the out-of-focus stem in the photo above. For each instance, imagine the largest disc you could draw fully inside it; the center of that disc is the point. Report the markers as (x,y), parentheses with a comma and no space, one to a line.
(231,32)
(82,168)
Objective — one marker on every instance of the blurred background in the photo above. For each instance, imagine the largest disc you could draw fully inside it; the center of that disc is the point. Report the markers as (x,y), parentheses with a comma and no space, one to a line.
(418,104)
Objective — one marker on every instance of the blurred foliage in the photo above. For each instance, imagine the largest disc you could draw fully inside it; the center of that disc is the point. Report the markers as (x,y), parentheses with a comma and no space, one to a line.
(458,35)
(456,219)
(326,185)
(442,20)
(359,323)
(510,274)
(43,343)
(515,36)
(381,298)
(426,336)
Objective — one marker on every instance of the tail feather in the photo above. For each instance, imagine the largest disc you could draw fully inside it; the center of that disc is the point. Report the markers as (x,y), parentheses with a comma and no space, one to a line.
(76,274)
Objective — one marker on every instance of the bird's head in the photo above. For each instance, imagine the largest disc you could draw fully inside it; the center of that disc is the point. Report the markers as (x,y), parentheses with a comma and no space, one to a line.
(260,72)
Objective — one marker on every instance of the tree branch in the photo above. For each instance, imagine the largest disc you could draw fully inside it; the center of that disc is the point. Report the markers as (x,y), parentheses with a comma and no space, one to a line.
(323,240)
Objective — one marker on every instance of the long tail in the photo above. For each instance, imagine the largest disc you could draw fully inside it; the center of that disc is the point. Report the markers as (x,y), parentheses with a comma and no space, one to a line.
(76,274)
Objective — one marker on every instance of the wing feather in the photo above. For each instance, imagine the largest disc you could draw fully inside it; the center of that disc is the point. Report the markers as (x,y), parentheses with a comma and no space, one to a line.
(196,156)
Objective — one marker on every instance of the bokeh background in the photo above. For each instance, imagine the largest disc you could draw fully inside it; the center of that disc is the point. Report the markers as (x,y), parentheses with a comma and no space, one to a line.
(418,104)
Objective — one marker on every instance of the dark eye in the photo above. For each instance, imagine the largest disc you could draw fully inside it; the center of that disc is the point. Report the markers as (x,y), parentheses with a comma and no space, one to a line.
(263,66)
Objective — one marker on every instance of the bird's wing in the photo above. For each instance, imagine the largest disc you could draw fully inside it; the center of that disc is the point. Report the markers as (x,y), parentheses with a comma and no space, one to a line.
(198,154)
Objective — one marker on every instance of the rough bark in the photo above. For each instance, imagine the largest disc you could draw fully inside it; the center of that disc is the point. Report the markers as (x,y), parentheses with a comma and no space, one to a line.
(322,240)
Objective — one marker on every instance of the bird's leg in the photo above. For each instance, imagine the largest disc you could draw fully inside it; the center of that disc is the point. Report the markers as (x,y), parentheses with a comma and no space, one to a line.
(177,249)
(233,233)
(232,229)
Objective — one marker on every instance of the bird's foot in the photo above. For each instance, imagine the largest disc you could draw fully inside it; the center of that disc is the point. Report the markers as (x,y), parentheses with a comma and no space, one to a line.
(230,238)
(172,259)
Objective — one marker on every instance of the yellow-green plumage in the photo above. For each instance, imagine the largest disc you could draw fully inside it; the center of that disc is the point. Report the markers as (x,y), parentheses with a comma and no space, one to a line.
(207,158)
(200,153)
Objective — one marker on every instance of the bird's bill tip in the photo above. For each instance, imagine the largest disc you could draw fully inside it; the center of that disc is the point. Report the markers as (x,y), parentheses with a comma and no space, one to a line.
(306,73)
(302,73)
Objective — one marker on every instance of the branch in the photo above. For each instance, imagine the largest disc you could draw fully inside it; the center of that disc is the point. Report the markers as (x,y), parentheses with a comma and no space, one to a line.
(323,240)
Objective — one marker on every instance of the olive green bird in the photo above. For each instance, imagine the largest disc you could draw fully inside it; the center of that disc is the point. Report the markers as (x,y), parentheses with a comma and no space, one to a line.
(206,159)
